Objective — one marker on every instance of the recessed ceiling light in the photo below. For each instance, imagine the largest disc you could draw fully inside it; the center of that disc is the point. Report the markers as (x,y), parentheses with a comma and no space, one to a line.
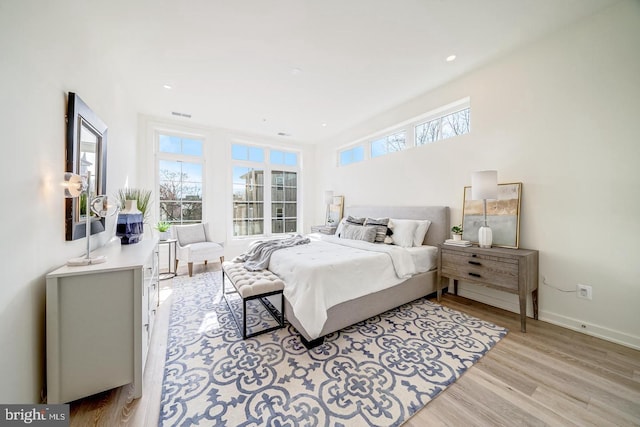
(451,58)
(167,86)
(324,125)
(295,71)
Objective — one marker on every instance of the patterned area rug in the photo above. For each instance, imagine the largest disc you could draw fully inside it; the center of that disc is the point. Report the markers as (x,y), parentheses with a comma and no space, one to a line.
(376,373)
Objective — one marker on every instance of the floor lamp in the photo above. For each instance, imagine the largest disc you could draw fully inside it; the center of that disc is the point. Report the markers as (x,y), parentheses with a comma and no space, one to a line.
(484,185)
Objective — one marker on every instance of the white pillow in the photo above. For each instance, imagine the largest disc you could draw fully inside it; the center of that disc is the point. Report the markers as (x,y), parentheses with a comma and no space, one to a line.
(404,231)
(421,231)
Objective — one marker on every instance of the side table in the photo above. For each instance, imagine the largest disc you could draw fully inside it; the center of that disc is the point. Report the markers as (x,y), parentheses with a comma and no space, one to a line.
(171,243)
(509,270)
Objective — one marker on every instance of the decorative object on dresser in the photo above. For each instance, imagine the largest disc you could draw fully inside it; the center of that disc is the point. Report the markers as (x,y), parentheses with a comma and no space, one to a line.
(503,216)
(484,185)
(328,198)
(510,270)
(99,320)
(86,151)
(130,226)
(377,372)
(79,187)
(195,245)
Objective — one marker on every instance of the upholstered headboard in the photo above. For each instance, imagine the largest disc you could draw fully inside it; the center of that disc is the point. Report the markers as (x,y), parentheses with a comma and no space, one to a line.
(438,215)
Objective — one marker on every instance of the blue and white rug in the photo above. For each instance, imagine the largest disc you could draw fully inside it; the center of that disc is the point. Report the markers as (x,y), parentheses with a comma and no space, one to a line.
(376,373)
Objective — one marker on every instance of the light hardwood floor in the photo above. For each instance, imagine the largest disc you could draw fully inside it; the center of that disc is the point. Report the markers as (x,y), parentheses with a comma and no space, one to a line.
(547,376)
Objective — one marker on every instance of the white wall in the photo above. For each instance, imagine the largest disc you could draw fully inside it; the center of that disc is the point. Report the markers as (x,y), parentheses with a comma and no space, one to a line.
(43,58)
(561,116)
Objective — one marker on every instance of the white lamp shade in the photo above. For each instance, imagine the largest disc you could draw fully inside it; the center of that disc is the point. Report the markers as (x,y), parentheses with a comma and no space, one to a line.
(484,185)
(328,197)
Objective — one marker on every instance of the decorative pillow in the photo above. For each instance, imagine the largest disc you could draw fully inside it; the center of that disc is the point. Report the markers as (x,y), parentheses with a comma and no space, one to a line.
(380,224)
(349,220)
(404,231)
(358,232)
(356,221)
(421,231)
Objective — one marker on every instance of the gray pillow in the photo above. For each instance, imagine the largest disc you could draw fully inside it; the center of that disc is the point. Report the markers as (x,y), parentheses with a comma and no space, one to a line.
(380,224)
(358,232)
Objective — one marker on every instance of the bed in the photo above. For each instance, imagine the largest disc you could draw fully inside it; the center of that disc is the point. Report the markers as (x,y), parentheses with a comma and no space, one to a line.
(307,270)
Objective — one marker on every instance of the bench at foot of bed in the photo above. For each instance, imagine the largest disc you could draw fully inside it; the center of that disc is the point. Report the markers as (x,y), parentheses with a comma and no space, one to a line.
(253,285)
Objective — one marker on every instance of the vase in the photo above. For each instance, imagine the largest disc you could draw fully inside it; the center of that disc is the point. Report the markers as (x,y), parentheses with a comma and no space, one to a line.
(130,226)
(457,236)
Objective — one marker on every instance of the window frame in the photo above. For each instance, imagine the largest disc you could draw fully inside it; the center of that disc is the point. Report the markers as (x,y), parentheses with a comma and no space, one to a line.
(268,168)
(180,157)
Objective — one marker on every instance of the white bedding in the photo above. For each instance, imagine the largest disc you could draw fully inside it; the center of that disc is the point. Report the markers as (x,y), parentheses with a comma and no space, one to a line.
(329,271)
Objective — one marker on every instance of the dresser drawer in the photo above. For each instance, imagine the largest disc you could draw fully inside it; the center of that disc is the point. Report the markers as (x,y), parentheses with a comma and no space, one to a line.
(491,270)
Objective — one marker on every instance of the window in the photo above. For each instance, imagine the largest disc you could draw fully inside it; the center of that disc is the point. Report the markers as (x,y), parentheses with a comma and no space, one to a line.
(389,144)
(442,123)
(258,210)
(284,202)
(351,155)
(180,179)
(444,127)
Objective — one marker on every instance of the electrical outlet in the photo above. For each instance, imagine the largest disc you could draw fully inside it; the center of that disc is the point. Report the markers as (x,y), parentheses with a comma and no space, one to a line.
(584,291)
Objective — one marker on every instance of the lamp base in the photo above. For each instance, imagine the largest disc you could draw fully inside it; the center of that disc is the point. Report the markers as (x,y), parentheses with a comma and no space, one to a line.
(74,262)
(485,237)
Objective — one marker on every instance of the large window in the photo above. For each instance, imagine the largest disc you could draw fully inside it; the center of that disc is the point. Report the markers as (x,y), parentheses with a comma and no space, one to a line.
(180,179)
(259,184)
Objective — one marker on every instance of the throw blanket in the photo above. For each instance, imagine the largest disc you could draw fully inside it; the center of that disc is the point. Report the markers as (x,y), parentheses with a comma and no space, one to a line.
(259,254)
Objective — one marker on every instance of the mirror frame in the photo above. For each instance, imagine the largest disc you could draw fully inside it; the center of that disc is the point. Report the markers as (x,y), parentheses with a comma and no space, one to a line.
(79,114)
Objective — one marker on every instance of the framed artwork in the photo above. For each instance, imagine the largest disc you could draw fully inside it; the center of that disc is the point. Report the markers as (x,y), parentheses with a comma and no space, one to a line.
(334,213)
(503,216)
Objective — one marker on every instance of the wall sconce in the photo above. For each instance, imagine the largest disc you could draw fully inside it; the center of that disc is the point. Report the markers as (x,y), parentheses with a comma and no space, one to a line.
(74,186)
(484,185)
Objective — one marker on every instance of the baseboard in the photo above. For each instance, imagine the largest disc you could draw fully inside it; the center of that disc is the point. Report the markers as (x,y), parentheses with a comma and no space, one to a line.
(510,303)
(594,330)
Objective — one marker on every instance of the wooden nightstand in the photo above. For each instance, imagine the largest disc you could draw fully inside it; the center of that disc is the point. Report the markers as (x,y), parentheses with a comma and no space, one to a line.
(509,270)
(324,229)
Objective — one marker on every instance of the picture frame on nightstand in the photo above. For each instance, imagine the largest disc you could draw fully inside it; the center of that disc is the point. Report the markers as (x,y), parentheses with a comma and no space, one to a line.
(503,216)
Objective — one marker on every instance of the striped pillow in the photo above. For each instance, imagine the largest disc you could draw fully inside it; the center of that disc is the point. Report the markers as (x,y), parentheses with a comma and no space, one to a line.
(381,226)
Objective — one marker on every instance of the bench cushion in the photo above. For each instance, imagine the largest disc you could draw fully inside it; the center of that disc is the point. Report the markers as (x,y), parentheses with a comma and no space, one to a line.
(251,283)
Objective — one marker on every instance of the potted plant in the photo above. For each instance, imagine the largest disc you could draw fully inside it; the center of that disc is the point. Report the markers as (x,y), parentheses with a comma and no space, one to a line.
(163,229)
(456,232)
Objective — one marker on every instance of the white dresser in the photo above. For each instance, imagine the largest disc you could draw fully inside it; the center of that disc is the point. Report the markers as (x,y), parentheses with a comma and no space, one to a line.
(99,322)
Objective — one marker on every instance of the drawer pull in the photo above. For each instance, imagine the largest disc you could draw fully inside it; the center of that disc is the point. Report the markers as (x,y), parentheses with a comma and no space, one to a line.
(473,255)
(474,275)
(475,263)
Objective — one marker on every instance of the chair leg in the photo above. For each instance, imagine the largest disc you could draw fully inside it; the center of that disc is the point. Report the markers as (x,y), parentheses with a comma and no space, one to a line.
(190,265)
(176,269)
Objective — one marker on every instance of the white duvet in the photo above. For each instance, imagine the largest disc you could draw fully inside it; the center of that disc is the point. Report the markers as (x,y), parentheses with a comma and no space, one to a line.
(329,271)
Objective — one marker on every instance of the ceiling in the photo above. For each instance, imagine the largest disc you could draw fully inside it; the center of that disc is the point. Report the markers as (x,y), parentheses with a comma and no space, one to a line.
(309,69)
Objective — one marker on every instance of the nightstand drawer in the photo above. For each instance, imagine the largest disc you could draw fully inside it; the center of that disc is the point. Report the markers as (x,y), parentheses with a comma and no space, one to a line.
(493,270)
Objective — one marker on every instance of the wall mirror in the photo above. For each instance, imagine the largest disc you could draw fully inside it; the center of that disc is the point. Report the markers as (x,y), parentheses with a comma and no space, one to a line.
(86,152)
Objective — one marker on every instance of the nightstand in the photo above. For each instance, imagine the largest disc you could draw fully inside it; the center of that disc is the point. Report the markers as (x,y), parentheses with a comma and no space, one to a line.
(324,229)
(510,270)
